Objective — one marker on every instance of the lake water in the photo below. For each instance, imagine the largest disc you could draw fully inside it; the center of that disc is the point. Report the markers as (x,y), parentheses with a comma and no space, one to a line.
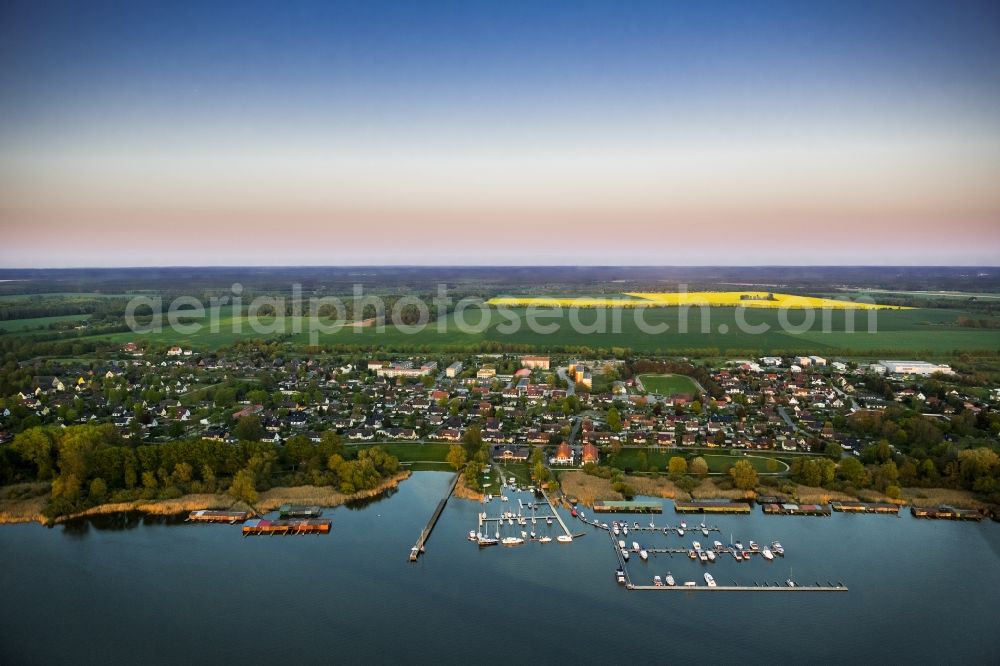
(121,590)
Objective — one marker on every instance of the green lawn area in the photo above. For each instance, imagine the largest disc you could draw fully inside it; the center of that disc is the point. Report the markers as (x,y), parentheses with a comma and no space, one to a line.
(668,384)
(22,325)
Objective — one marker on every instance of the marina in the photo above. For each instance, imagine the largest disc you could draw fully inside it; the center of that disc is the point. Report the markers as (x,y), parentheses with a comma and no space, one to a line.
(532,521)
(621,506)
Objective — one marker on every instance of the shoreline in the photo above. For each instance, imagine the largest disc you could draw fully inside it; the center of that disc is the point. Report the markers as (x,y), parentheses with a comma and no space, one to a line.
(13,512)
(588,488)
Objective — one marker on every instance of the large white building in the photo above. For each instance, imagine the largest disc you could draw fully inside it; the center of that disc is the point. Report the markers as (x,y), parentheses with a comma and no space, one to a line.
(454,370)
(915,368)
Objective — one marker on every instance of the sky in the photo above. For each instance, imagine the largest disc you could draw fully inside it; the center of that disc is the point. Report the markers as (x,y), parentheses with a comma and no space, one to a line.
(494,133)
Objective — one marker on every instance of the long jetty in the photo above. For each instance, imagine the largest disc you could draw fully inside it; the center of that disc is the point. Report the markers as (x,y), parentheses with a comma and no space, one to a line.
(741,588)
(556,513)
(425,534)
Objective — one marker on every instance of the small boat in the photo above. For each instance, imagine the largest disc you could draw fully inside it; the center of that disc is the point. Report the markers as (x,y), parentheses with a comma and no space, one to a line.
(709,579)
(684,525)
(637,525)
(737,555)
(643,555)
(545,539)
(512,541)
(754,546)
(564,538)
(617,530)
(666,531)
(532,535)
(680,531)
(604,526)
(711,555)
(657,581)
(625,554)
(573,513)
(703,556)
(548,521)
(790,583)
(767,554)
(778,548)
(670,580)
(693,555)
(620,576)
(472,535)
(510,521)
(696,545)
(746,555)
(651,525)
(690,583)
(625,530)
(488,541)
(717,545)
(739,546)
(704,531)
(621,543)
(635,547)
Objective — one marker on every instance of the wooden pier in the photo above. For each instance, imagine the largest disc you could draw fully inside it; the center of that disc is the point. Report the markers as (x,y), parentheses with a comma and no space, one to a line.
(796,509)
(209,516)
(711,506)
(425,534)
(286,527)
(865,507)
(294,511)
(945,512)
(556,514)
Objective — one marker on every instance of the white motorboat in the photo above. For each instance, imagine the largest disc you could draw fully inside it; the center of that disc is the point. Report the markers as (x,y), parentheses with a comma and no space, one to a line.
(711,555)
(709,579)
(657,581)
(767,554)
(670,580)
(545,539)
(635,547)
(512,541)
(564,538)
(643,555)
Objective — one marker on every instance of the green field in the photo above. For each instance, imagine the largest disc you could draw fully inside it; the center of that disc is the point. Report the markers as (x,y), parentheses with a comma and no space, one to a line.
(722,332)
(669,384)
(37,323)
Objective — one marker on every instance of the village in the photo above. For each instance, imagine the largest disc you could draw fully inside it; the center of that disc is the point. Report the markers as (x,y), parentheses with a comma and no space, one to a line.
(580,410)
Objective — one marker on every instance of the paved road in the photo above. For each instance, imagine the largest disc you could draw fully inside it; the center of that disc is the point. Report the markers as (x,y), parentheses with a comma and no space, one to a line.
(570,386)
(791,424)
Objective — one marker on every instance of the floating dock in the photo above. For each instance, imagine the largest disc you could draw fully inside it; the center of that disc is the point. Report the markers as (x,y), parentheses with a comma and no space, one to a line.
(286,527)
(208,516)
(740,588)
(616,506)
(945,512)
(425,534)
(711,506)
(865,507)
(796,509)
(294,511)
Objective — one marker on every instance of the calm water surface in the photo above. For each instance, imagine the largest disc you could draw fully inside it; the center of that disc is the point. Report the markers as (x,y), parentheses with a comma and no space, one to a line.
(126,590)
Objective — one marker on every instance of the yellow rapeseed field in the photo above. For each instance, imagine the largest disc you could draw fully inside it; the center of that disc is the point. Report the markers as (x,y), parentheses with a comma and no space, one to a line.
(749,299)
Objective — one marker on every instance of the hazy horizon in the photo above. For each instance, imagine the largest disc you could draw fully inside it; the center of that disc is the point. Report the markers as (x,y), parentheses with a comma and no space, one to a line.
(564,133)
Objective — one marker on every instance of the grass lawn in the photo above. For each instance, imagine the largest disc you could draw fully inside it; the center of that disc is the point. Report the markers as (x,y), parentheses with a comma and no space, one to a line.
(669,384)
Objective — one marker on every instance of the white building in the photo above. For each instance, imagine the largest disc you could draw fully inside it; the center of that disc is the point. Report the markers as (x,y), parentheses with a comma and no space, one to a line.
(915,368)
(453,370)
(818,360)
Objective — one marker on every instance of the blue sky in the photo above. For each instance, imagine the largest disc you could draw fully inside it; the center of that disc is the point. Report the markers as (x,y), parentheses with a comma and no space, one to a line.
(440,124)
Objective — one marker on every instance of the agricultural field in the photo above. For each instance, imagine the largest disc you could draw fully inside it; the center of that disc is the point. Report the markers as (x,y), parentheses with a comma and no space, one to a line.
(748,299)
(669,384)
(714,332)
(38,323)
